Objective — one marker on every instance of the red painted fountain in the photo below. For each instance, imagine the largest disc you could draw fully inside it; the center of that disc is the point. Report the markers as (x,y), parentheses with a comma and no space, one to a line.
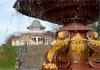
(76,46)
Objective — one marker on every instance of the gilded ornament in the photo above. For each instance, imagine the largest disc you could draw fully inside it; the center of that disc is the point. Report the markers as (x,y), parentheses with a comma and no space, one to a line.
(50,66)
(78,46)
(58,44)
(78,43)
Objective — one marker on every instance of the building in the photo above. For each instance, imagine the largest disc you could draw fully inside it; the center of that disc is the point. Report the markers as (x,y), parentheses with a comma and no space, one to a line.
(36,36)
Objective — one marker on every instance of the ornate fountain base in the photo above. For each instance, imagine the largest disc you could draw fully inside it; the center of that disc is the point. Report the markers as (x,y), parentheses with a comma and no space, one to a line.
(74,49)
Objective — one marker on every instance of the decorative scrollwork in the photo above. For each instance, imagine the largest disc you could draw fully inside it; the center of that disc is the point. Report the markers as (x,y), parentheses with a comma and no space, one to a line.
(62,59)
(63,34)
(94,60)
(92,35)
(93,43)
(59,43)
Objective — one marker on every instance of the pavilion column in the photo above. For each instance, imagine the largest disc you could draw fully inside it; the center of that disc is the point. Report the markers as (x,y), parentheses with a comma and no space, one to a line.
(37,40)
(41,40)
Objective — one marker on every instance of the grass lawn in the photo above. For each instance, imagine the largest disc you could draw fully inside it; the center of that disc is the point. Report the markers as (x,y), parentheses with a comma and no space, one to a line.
(8,57)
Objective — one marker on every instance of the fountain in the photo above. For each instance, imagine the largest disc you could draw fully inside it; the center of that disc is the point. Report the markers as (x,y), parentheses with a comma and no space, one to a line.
(76,46)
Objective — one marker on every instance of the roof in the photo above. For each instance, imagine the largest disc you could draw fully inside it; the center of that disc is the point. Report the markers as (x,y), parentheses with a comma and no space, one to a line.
(36,24)
(30,34)
(60,11)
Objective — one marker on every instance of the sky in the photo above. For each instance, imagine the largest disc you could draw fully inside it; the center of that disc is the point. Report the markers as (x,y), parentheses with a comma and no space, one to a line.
(12,22)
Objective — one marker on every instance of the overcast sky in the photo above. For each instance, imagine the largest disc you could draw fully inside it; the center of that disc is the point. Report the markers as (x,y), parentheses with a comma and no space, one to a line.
(12,22)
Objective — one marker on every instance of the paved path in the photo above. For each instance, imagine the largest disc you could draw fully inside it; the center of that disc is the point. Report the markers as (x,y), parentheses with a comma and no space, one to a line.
(33,58)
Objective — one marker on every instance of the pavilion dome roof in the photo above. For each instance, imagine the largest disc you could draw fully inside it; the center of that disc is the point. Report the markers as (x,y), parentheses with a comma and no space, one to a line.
(36,24)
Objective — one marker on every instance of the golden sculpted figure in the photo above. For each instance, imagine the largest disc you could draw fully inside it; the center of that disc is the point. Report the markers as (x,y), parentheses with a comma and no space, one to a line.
(78,47)
(78,43)
(61,42)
